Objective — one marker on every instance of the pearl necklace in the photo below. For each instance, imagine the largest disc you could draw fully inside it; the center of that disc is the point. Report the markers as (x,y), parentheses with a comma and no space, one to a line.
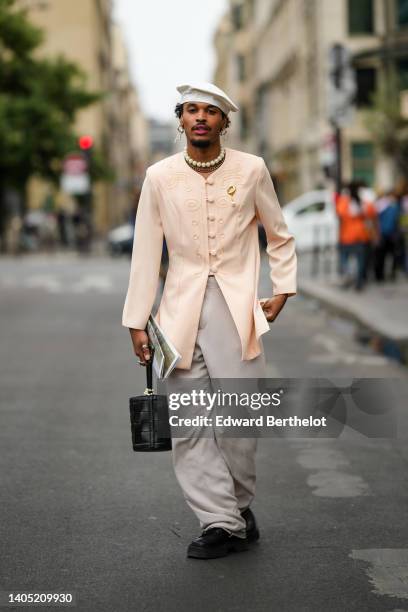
(202,166)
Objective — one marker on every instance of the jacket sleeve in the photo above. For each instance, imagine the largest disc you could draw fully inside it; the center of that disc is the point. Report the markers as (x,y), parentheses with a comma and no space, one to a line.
(281,244)
(146,258)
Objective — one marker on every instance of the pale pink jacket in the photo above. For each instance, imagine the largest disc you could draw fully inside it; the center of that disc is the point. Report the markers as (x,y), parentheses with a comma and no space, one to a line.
(176,202)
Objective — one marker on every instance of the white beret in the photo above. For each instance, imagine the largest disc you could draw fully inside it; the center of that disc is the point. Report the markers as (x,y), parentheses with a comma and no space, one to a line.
(206,92)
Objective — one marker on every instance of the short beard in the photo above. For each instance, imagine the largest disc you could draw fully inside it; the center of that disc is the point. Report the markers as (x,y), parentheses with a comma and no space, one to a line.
(201,144)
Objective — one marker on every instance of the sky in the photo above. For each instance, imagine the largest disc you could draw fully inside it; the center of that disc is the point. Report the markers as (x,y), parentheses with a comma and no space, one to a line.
(169,43)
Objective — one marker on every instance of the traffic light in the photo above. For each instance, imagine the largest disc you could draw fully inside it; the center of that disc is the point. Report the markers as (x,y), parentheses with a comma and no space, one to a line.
(85,142)
(341,86)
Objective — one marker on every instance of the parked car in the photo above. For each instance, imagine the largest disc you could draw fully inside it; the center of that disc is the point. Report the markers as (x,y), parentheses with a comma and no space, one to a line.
(120,240)
(312,219)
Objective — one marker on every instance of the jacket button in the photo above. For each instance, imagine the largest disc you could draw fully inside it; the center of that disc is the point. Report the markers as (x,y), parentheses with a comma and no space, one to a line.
(211,218)
(195,237)
(213,252)
(210,199)
(220,221)
(212,235)
(209,180)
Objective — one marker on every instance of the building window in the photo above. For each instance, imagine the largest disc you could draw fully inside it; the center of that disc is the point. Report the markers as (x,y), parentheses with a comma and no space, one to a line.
(362,156)
(402,13)
(244,124)
(366,85)
(360,17)
(402,68)
(241,72)
(237,15)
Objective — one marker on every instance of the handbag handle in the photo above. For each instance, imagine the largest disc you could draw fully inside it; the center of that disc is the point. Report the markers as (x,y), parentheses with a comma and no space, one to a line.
(149,372)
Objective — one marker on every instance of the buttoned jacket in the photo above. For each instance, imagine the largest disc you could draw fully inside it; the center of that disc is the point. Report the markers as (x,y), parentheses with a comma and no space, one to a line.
(210,225)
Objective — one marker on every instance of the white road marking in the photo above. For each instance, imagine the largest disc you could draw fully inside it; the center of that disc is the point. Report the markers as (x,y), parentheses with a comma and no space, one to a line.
(328,478)
(388,573)
(101,283)
(98,282)
(330,344)
(43,281)
(333,483)
(336,355)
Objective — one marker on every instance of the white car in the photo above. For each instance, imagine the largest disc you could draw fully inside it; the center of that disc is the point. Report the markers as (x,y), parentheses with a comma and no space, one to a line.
(120,239)
(312,219)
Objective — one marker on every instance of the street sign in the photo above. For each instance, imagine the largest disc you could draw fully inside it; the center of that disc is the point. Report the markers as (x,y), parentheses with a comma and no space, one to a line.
(75,178)
(75,184)
(327,152)
(75,163)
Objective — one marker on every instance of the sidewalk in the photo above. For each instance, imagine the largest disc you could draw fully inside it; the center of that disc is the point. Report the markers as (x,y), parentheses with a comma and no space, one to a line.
(380,309)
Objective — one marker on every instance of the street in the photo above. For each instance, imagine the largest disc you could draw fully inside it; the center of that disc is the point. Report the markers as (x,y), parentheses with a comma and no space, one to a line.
(83,513)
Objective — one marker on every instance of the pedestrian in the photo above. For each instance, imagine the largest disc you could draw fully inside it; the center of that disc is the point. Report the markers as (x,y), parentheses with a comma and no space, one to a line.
(358,230)
(387,249)
(401,193)
(206,201)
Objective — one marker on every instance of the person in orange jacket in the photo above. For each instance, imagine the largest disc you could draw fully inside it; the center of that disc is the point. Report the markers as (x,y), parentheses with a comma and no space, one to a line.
(358,229)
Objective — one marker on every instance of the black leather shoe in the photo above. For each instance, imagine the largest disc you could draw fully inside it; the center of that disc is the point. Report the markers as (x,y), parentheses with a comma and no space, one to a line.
(251,526)
(214,543)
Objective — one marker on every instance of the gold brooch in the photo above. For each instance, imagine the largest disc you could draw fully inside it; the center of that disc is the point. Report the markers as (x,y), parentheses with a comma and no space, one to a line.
(231,190)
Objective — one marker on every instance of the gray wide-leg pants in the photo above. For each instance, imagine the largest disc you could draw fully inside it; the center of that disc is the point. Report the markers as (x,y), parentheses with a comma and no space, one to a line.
(217,474)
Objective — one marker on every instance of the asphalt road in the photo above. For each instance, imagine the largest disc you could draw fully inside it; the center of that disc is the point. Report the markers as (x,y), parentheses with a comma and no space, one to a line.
(82,513)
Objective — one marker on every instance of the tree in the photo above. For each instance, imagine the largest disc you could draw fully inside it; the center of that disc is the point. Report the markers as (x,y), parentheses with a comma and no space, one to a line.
(39,99)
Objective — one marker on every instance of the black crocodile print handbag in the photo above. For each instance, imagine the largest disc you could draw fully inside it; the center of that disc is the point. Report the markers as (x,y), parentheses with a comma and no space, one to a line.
(149,417)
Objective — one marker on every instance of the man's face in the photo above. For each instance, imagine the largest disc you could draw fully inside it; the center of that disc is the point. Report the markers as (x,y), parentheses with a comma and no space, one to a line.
(202,123)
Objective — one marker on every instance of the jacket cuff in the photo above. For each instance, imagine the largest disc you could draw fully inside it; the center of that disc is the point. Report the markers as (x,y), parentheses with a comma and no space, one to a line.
(288,293)
(134,324)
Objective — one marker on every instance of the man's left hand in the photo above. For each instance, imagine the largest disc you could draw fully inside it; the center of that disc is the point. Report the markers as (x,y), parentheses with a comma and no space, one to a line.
(273,306)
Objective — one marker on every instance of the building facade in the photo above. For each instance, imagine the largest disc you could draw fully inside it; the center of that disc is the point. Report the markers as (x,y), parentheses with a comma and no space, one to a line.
(83,32)
(273,55)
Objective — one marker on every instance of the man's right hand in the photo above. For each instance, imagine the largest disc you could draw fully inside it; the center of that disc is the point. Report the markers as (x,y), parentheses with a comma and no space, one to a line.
(140,342)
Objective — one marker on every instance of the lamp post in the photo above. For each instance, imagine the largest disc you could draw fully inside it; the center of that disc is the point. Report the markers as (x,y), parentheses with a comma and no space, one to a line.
(341,91)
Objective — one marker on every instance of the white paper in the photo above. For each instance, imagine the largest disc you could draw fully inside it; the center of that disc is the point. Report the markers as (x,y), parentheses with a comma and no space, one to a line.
(158,358)
(170,355)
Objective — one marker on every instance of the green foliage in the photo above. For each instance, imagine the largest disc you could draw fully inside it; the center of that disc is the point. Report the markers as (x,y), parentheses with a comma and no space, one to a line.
(389,129)
(16,33)
(39,99)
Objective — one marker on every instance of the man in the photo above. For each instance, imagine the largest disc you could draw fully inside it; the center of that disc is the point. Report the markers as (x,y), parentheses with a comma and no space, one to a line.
(207,202)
